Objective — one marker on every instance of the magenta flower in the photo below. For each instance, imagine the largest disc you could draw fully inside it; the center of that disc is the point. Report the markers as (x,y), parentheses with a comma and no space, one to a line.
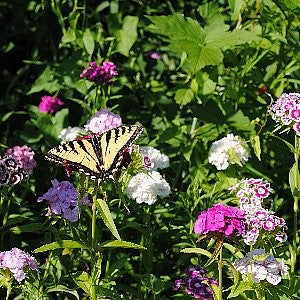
(102,74)
(63,200)
(102,121)
(16,261)
(24,156)
(50,104)
(221,219)
(155,55)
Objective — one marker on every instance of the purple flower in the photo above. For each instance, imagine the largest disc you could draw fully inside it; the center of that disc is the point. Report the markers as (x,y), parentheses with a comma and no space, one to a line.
(50,104)
(102,74)
(147,163)
(102,121)
(24,156)
(16,262)
(63,200)
(222,219)
(155,55)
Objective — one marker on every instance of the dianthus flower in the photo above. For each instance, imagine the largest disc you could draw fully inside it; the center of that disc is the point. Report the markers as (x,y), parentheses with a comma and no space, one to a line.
(226,151)
(145,187)
(154,159)
(286,111)
(69,133)
(50,104)
(24,156)
(17,262)
(102,121)
(63,200)
(102,74)
(221,219)
(196,283)
(261,267)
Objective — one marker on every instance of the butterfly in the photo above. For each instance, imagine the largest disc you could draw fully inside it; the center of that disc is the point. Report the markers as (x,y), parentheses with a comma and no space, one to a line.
(99,156)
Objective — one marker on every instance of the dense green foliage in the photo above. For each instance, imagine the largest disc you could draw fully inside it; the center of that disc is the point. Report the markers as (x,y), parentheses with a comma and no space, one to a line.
(222,62)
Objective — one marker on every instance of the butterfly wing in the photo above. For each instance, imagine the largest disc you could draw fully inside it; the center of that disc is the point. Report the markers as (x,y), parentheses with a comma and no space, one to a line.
(101,156)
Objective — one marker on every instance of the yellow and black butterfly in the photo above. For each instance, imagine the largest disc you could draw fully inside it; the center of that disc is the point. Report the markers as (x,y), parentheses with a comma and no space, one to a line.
(99,156)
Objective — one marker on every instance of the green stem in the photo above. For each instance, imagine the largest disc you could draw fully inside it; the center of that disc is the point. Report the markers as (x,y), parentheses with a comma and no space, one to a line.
(260,294)
(8,292)
(94,296)
(46,272)
(220,267)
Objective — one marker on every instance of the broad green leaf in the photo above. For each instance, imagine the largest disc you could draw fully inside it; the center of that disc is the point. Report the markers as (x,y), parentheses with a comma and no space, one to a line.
(60,245)
(294,180)
(62,289)
(239,288)
(196,251)
(235,6)
(255,142)
(83,280)
(88,41)
(122,244)
(127,35)
(184,96)
(107,217)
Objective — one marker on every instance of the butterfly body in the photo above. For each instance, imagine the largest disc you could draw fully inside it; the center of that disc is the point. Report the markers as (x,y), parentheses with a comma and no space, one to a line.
(98,156)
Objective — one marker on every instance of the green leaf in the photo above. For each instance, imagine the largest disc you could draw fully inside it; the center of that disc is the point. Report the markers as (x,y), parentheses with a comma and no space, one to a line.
(88,41)
(127,35)
(9,114)
(294,180)
(83,280)
(122,244)
(184,96)
(60,245)
(235,6)
(196,251)
(62,288)
(107,217)
(239,288)
(255,142)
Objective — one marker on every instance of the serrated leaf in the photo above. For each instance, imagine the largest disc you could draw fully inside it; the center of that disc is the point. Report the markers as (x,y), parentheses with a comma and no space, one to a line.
(255,142)
(184,96)
(60,245)
(88,41)
(122,244)
(127,35)
(107,217)
(83,280)
(196,251)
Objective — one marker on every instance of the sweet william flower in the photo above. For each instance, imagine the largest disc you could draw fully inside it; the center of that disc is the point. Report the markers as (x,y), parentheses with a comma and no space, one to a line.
(154,159)
(69,133)
(50,104)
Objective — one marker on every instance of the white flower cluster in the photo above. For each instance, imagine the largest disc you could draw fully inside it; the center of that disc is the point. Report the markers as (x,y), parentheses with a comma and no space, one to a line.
(145,187)
(154,159)
(224,151)
(70,133)
(261,267)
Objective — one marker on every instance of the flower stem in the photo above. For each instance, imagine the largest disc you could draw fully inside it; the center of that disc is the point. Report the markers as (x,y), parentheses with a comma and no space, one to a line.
(220,267)
(260,294)
(94,216)
(8,292)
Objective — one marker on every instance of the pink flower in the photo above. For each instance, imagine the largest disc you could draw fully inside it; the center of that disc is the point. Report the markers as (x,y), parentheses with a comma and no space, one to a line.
(155,55)
(296,127)
(222,219)
(24,156)
(295,114)
(50,104)
(102,121)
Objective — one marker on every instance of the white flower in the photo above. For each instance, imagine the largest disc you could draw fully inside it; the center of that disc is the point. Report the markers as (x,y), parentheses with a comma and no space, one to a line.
(69,133)
(273,278)
(226,151)
(145,187)
(158,160)
(259,272)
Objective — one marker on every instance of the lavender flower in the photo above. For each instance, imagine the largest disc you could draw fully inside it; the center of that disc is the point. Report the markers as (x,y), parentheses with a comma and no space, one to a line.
(63,200)
(102,74)
(17,262)
(50,104)
(102,121)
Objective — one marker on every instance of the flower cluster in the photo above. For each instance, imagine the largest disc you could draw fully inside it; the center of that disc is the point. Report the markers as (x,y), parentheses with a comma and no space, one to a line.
(70,133)
(252,194)
(63,200)
(196,283)
(17,261)
(145,187)
(286,111)
(17,163)
(50,104)
(102,121)
(261,267)
(226,151)
(154,159)
(221,219)
(102,74)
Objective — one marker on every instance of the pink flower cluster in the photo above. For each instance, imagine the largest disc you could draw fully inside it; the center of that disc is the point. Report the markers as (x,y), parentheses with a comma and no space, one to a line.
(252,194)
(222,219)
(50,104)
(102,74)
(286,110)
(102,121)
(63,200)
(196,283)
(16,261)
